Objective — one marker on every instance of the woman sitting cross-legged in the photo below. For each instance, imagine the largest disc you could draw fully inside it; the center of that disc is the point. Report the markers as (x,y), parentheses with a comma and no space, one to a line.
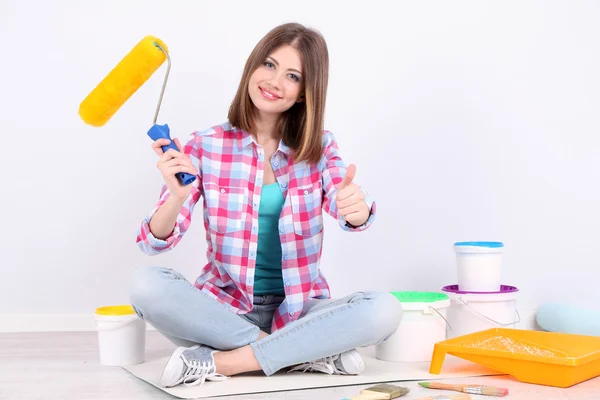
(265,178)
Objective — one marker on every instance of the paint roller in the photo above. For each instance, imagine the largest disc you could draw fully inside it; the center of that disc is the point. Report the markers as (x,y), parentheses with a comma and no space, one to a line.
(123,81)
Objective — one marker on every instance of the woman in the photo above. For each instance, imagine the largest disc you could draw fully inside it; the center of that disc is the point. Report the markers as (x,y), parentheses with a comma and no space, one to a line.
(265,176)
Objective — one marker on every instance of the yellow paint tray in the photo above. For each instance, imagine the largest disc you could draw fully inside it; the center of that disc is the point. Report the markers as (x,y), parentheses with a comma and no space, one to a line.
(543,358)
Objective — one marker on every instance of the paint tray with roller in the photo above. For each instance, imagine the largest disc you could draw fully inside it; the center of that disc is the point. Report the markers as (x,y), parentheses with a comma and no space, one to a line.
(544,358)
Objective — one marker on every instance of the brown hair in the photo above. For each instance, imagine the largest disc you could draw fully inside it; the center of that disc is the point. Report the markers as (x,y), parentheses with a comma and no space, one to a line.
(301,125)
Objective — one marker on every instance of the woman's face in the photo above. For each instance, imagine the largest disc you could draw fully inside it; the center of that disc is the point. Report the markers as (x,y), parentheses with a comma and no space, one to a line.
(277,84)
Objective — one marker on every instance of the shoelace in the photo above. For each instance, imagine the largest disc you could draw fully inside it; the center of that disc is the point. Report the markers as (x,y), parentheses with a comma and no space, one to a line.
(325,365)
(197,373)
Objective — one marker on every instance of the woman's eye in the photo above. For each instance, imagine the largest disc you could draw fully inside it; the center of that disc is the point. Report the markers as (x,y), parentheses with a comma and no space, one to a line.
(268,64)
(295,77)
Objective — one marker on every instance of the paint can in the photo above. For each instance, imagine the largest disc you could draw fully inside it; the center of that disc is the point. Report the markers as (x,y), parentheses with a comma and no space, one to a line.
(121,335)
(423,324)
(479,265)
(471,312)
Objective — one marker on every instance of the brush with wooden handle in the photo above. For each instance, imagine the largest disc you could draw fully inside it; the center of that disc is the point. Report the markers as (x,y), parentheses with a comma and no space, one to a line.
(382,391)
(471,389)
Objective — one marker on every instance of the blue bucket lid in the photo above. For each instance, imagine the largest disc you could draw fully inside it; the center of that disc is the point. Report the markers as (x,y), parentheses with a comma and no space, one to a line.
(492,245)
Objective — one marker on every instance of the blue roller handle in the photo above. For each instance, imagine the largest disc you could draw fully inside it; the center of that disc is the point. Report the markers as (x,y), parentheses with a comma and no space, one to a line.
(162,132)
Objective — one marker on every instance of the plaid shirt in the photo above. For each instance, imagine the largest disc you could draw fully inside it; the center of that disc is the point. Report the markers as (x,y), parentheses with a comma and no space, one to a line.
(231,168)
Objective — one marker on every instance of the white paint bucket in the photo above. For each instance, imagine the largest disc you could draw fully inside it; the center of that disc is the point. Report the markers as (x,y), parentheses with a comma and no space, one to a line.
(473,312)
(479,265)
(423,324)
(121,336)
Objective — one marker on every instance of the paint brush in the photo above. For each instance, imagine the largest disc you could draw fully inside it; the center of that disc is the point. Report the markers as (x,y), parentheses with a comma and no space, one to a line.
(382,391)
(471,389)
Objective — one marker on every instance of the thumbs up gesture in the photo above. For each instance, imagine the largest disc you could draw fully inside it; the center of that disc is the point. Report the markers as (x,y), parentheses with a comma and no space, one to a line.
(351,201)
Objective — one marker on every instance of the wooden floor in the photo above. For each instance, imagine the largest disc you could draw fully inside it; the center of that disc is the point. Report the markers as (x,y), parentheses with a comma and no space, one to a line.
(65,366)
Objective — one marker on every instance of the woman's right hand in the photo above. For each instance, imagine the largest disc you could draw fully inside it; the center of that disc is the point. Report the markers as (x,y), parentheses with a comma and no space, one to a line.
(172,162)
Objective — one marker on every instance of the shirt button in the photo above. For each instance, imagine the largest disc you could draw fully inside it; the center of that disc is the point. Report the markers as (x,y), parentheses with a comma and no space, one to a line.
(285,257)
(254,228)
(275,163)
(287,283)
(306,192)
(284,184)
(251,254)
(222,190)
(255,205)
(281,230)
(292,313)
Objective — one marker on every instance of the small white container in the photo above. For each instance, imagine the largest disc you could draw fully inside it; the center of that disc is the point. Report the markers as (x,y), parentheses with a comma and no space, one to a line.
(423,325)
(479,265)
(121,336)
(471,312)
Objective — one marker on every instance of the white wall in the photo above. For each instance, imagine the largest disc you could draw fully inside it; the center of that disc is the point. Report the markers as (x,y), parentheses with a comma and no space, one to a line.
(467,120)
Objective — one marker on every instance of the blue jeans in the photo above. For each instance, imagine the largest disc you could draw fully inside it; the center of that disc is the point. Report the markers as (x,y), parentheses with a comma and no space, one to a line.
(187,316)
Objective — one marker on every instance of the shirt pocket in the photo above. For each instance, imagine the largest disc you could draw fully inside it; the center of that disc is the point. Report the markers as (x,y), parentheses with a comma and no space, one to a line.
(225,208)
(306,209)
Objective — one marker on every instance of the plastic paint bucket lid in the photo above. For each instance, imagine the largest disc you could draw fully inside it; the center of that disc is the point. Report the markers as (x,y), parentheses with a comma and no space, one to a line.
(478,247)
(503,290)
(505,293)
(115,310)
(419,297)
(422,300)
(491,245)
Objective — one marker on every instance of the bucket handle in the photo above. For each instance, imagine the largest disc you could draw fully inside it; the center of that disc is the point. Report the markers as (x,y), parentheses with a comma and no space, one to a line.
(438,313)
(116,326)
(489,319)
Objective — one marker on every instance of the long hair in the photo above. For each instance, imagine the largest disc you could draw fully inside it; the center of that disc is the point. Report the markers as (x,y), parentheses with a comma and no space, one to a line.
(302,125)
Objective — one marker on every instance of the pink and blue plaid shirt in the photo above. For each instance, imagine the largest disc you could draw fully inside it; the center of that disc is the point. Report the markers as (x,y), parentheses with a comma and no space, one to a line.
(231,168)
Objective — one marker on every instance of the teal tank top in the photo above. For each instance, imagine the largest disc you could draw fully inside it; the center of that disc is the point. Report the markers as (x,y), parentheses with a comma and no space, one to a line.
(267,275)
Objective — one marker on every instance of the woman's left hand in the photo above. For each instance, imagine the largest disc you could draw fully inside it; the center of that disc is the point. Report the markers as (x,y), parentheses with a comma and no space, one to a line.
(351,201)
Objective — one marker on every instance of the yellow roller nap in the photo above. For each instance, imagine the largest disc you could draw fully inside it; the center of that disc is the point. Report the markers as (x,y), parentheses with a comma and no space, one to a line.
(123,81)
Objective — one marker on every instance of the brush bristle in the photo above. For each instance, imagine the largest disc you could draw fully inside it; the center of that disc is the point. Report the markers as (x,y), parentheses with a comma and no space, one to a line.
(122,82)
(392,390)
(493,391)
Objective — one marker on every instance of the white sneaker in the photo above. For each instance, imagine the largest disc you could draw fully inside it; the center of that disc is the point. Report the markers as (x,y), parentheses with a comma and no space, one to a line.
(346,363)
(190,366)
